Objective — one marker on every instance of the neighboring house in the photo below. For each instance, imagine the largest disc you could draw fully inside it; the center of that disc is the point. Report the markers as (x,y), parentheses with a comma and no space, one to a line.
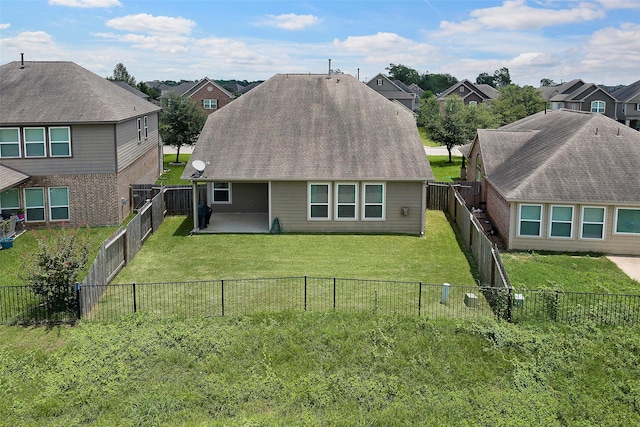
(71,144)
(470,93)
(577,95)
(206,93)
(394,91)
(561,180)
(209,95)
(628,105)
(319,153)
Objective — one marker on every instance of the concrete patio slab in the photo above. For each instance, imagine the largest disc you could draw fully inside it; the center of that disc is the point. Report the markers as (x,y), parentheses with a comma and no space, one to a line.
(629,264)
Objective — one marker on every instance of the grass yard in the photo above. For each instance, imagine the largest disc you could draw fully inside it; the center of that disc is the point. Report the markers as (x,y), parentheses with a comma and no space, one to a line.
(327,369)
(567,272)
(426,141)
(444,171)
(172,255)
(11,259)
(172,173)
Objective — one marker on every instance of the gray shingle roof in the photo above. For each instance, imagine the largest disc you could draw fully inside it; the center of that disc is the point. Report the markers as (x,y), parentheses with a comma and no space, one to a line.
(10,177)
(626,93)
(63,92)
(563,155)
(299,127)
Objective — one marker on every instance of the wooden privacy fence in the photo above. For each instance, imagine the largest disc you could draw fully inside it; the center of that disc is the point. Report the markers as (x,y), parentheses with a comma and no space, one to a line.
(121,248)
(438,194)
(474,239)
(178,199)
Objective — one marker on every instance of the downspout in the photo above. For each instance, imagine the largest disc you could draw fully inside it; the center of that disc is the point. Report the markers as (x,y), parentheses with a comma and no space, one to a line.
(424,208)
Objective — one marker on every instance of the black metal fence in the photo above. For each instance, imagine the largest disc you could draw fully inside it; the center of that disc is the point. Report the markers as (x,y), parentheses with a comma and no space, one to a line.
(184,300)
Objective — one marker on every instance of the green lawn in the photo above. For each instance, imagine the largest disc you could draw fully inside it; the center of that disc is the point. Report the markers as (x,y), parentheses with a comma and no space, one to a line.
(443,170)
(567,272)
(172,173)
(426,141)
(11,260)
(171,254)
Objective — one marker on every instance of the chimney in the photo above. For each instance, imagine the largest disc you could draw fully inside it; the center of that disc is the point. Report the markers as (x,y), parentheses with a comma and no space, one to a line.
(21,60)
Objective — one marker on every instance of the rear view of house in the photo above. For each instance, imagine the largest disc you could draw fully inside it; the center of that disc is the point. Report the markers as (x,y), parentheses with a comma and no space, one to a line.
(321,153)
(71,144)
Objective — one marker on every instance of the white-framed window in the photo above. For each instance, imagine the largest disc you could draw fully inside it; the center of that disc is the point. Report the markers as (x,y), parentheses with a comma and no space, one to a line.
(210,104)
(379,82)
(638,107)
(60,141)
(139,127)
(592,222)
(598,106)
(461,89)
(59,203)
(319,200)
(34,204)
(557,105)
(561,222)
(373,201)
(146,127)
(478,168)
(34,142)
(530,220)
(627,221)
(624,108)
(221,193)
(9,142)
(346,201)
(473,103)
(9,202)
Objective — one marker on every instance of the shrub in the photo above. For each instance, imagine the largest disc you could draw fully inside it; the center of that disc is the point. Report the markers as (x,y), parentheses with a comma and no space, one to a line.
(53,268)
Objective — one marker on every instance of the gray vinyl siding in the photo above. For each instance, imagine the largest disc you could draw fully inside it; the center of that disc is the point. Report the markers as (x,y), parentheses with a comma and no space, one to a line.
(245,198)
(609,110)
(611,244)
(129,149)
(289,205)
(92,151)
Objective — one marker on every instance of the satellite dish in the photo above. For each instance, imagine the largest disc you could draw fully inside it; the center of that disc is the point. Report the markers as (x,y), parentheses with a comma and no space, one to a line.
(199,165)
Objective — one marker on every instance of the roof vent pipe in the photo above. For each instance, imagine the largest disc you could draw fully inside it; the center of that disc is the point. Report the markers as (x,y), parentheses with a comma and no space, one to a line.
(596,131)
(21,60)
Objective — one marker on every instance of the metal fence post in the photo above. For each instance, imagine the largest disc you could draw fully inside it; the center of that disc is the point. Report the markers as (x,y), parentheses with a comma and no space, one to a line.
(135,308)
(78,308)
(334,293)
(419,297)
(305,293)
(222,295)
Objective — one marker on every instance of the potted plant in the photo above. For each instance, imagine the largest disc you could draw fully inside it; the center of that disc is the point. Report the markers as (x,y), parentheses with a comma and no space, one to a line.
(20,214)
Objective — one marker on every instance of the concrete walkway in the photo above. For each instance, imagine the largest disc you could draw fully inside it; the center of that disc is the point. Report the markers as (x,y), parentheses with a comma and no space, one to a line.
(629,264)
(441,151)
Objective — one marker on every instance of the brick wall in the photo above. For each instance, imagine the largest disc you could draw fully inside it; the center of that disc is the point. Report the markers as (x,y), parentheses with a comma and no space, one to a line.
(498,211)
(215,93)
(145,170)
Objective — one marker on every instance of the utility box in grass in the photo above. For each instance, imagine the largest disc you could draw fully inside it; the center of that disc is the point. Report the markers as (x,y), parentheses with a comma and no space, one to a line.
(7,242)
(518,300)
(470,300)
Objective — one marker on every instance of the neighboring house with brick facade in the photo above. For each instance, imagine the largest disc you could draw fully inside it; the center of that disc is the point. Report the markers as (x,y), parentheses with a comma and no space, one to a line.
(561,181)
(322,153)
(208,94)
(71,144)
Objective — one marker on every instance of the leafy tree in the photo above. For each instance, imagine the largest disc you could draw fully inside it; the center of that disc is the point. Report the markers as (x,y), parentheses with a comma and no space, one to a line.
(515,103)
(502,77)
(403,73)
(499,78)
(547,82)
(181,122)
(437,83)
(485,79)
(120,74)
(53,269)
(152,92)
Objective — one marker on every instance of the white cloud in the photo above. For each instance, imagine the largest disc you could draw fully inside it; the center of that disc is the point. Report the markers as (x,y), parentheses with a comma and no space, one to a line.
(37,45)
(290,21)
(386,48)
(85,3)
(4,26)
(516,15)
(149,24)
(167,44)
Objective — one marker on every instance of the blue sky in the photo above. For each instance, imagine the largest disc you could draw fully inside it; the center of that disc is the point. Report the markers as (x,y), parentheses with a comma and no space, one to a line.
(595,40)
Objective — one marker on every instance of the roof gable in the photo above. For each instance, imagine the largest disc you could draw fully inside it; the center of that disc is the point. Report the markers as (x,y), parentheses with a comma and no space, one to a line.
(627,93)
(203,83)
(302,127)
(63,92)
(563,155)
